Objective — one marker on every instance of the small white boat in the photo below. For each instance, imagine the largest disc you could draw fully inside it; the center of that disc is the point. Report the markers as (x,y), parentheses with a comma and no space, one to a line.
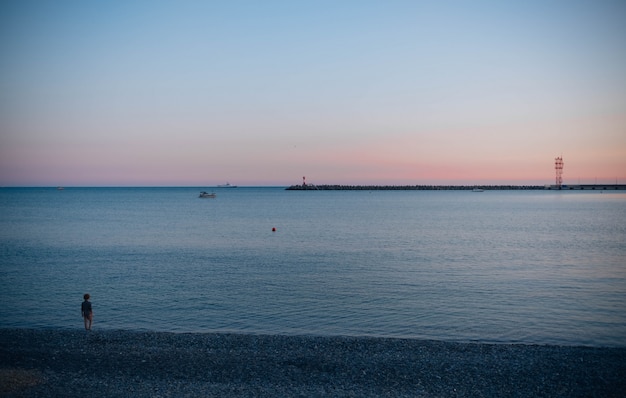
(207,195)
(477,190)
(227,185)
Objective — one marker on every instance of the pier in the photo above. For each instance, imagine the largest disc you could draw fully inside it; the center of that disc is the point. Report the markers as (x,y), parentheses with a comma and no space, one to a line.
(591,187)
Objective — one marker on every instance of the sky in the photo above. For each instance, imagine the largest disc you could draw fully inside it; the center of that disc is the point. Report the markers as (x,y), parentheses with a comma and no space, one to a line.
(262,93)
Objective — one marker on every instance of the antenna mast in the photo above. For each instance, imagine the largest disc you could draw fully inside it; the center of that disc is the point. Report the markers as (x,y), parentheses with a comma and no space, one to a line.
(558,167)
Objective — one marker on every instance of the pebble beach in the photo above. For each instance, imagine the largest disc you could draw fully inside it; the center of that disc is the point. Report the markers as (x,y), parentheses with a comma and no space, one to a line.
(51,363)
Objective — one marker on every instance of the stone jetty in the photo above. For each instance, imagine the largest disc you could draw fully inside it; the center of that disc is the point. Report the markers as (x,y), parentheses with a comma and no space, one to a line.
(311,187)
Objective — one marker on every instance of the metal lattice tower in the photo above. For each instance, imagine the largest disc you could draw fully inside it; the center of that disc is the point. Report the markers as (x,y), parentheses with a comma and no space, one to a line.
(558,166)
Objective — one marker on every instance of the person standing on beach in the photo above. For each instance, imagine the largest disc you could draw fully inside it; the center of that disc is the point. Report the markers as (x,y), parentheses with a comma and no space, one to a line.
(87,312)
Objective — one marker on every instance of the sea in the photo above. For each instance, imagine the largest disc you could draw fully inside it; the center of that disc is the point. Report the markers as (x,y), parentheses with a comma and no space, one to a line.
(508,266)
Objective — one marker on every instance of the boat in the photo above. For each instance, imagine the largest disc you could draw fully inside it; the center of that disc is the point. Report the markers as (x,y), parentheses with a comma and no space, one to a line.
(477,190)
(227,185)
(204,194)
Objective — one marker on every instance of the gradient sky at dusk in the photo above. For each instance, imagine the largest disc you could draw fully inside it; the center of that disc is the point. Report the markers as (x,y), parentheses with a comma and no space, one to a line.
(160,93)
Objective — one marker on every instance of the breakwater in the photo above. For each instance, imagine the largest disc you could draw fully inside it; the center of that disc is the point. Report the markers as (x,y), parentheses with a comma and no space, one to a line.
(311,187)
(582,187)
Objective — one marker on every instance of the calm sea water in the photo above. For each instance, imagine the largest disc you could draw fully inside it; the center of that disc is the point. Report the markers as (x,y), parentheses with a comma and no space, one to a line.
(541,267)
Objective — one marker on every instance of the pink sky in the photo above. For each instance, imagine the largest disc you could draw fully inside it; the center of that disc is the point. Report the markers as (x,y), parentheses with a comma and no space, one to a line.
(145,94)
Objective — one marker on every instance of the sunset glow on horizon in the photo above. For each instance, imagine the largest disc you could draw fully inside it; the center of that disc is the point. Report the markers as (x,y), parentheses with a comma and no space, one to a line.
(198,93)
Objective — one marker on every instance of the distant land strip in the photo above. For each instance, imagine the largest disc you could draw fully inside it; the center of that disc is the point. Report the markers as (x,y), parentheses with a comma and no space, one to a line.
(311,187)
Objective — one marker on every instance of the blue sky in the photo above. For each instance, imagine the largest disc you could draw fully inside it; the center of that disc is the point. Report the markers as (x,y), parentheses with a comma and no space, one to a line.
(262,93)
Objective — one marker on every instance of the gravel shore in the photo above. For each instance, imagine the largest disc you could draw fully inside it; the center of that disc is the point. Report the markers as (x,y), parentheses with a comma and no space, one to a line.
(51,363)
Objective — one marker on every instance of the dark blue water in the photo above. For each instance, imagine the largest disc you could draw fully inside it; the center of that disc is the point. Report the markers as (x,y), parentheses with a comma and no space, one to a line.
(541,267)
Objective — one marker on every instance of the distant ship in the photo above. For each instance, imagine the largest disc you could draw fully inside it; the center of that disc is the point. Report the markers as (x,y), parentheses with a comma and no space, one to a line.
(227,185)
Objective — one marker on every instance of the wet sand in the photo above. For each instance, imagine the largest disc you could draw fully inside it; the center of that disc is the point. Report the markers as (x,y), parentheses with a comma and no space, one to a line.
(50,363)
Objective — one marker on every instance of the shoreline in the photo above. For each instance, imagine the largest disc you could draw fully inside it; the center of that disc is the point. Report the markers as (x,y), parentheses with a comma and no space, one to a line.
(51,362)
